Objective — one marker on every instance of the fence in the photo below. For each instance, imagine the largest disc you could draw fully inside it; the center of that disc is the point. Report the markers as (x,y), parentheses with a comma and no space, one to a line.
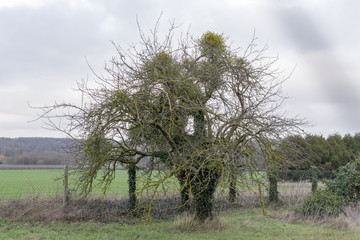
(17,182)
(48,181)
(303,175)
(57,181)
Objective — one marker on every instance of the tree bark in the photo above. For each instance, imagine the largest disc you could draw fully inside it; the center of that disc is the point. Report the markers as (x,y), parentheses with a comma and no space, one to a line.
(204,195)
(132,187)
(273,192)
(232,189)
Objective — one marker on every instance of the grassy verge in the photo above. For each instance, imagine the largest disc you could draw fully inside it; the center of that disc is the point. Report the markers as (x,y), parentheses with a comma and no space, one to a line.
(239,224)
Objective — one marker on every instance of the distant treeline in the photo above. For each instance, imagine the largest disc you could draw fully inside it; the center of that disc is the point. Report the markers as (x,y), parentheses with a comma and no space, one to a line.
(34,151)
(329,153)
(301,152)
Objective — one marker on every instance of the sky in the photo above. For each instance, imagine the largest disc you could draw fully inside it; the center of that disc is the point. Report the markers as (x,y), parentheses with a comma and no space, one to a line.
(46,46)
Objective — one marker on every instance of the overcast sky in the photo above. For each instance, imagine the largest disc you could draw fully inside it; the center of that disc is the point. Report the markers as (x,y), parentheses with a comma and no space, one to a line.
(44,46)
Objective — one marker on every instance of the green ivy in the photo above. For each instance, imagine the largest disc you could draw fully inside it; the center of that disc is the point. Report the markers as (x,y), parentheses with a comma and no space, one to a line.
(342,191)
(346,182)
(273,191)
(322,202)
(314,175)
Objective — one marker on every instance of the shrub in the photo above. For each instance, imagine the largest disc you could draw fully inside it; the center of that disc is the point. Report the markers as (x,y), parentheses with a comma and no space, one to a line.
(322,202)
(346,182)
(343,190)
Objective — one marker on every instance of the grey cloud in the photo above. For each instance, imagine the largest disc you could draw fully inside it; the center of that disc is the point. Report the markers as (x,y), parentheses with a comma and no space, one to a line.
(43,49)
(335,84)
(339,87)
(47,40)
(301,29)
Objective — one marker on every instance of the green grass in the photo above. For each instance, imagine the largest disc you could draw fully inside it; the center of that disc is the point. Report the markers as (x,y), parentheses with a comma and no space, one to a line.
(22,183)
(27,182)
(238,224)
(49,182)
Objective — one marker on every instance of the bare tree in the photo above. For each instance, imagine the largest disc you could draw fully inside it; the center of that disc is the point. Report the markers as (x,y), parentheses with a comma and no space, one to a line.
(197,107)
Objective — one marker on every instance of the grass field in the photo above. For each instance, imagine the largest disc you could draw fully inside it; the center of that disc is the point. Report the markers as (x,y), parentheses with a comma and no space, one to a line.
(238,224)
(48,182)
(19,183)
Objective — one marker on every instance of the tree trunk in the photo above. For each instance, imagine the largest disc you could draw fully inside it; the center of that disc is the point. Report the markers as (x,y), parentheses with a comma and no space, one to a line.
(204,195)
(206,179)
(273,192)
(232,189)
(132,187)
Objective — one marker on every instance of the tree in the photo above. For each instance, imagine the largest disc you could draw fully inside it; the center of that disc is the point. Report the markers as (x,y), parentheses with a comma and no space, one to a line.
(319,151)
(339,154)
(192,108)
(295,150)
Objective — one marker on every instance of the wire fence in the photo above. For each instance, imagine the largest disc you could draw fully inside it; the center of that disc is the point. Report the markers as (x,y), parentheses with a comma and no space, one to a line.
(21,181)
(37,183)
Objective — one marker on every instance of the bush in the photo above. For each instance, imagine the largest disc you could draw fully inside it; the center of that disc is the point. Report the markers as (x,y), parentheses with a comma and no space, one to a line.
(346,182)
(343,190)
(322,202)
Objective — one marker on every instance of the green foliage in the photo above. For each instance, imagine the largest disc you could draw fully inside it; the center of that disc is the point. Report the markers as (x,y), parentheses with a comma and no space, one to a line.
(293,149)
(347,182)
(273,190)
(212,44)
(314,175)
(343,190)
(322,202)
(314,150)
(318,150)
(160,68)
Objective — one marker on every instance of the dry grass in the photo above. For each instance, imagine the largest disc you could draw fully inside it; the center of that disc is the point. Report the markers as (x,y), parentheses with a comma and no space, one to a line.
(293,196)
(100,210)
(291,193)
(186,223)
(112,209)
(349,219)
(32,209)
(38,209)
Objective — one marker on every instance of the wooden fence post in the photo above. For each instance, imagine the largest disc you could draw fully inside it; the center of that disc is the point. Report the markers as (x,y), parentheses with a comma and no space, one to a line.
(66,188)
